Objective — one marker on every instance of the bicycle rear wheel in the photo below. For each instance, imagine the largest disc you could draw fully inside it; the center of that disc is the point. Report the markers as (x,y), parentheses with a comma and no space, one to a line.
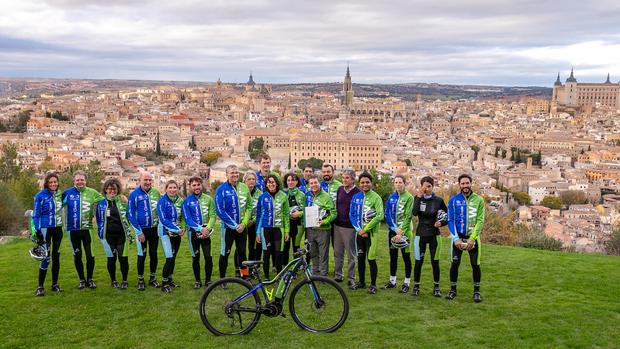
(222,315)
(320,307)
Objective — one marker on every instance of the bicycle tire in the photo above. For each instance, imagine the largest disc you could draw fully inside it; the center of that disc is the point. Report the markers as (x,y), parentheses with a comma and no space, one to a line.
(215,298)
(332,296)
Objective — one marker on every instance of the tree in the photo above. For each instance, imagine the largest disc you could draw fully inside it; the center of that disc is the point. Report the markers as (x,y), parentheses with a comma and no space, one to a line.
(255,147)
(11,212)
(499,228)
(496,151)
(314,162)
(552,202)
(382,184)
(408,162)
(210,157)
(24,187)
(93,172)
(503,153)
(522,198)
(157,145)
(476,149)
(192,143)
(58,116)
(573,197)
(22,120)
(612,246)
(8,162)
(214,186)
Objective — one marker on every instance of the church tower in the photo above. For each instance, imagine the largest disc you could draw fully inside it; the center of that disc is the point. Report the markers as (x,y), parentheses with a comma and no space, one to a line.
(347,89)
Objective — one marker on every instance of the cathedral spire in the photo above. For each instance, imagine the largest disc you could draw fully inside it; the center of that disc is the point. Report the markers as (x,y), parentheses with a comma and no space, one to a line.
(557,81)
(608,81)
(571,78)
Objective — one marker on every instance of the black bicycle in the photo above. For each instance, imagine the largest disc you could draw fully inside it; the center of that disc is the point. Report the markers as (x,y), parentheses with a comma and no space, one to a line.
(233,306)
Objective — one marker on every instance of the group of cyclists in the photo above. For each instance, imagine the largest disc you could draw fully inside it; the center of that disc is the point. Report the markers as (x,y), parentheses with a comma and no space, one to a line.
(262,214)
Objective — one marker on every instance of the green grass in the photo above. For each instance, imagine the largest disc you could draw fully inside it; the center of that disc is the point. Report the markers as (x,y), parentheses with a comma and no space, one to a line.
(532,299)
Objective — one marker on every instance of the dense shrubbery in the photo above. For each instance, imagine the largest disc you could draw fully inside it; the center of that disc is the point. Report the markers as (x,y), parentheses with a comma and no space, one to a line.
(613,245)
(536,238)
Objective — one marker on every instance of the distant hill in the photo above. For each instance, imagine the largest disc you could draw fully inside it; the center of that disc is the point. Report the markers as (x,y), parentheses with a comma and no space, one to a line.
(409,91)
(33,87)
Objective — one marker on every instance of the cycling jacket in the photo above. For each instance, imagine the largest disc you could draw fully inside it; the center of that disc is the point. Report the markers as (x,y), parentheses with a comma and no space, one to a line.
(465,216)
(331,188)
(80,207)
(142,209)
(103,213)
(170,215)
(398,212)
(272,212)
(46,209)
(199,211)
(233,204)
(260,180)
(327,210)
(366,211)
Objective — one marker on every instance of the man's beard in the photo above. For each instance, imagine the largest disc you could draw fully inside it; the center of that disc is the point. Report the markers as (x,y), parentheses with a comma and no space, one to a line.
(466,191)
(327,178)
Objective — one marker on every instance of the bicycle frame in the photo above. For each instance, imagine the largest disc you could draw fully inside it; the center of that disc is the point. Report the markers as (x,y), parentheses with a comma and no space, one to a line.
(291,269)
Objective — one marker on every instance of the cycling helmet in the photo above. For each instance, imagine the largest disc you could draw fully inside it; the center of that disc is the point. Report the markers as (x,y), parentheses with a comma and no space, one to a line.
(399,243)
(38,253)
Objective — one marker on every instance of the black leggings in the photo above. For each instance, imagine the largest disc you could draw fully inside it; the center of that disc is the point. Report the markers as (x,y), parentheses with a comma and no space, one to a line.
(81,238)
(53,237)
(432,243)
(205,244)
(284,256)
(255,251)
(363,246)
(394,257)
(151,241)
(473,259)
(273,241)
(168,270)
(117,245)
(230,236)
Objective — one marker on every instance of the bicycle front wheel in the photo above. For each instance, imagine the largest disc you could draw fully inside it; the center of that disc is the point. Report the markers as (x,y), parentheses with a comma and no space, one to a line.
(222,314)
(319,305)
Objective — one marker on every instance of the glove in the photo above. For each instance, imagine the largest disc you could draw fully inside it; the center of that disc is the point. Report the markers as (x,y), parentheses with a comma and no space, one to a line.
(39,237)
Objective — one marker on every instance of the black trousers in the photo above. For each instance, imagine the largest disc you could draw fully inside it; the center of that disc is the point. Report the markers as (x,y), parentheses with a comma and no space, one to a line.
(232,236)
(394,257)
(53,237)
(432,243)
(473,259)
(168,270)
(205,245)
(117,245)
(148,246)
(81,241)
(273,243)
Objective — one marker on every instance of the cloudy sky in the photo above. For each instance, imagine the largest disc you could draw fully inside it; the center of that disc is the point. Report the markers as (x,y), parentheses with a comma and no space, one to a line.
(497,42)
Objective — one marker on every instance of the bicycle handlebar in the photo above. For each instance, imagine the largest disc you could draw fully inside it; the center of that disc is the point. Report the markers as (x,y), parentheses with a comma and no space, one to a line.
(302,251)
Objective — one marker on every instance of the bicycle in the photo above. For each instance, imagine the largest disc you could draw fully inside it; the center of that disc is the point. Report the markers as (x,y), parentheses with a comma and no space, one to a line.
(232,306)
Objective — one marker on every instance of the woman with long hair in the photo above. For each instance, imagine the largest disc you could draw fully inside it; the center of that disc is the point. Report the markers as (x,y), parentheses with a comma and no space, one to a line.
(272,222)
(47,228)
(114,231)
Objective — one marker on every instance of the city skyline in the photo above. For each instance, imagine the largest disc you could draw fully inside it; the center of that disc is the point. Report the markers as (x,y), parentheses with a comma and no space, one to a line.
(481,43)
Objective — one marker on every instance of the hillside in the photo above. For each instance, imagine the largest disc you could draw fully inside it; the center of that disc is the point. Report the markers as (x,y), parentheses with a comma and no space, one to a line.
(532,299)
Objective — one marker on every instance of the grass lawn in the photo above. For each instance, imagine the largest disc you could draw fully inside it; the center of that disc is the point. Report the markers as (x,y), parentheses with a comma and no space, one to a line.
(531,299)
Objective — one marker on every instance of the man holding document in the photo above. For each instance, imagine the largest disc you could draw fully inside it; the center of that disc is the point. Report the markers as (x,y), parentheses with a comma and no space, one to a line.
(319,213)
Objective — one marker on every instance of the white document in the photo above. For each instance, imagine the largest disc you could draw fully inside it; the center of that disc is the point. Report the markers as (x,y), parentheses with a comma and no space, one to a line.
(311,213)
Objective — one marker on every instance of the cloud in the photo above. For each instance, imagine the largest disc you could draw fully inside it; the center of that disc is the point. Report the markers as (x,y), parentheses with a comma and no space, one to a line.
(481,41)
